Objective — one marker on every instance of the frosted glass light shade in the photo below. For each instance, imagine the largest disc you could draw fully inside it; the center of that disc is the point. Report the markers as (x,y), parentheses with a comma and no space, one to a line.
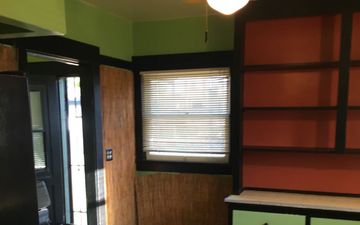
(227,7)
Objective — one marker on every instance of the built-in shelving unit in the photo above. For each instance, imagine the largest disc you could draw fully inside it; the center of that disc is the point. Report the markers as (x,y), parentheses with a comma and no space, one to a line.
(298,81)
(287,95)
(297,73)
(303,74)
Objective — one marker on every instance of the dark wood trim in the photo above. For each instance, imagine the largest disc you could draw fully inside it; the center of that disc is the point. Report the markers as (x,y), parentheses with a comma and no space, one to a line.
(57,69)
(308,220)
(182,167)
(58,47)
(291,66)
(236,114)
(172,62)
(355,63)
(92,132)
(12,73)
(183,61)
(22,59)
(352,151)
(343,86)
(230,214)
(110,61)
(140,156)
(354,108)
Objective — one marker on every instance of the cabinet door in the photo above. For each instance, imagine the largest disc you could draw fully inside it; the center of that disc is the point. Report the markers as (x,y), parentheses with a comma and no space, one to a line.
(319,221)
(261,218)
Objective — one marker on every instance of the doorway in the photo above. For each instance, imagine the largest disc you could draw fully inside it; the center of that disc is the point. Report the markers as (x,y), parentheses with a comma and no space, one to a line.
(58,137)
(70,52)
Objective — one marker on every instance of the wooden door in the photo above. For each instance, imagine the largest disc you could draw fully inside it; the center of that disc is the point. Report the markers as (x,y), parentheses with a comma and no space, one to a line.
(117,97)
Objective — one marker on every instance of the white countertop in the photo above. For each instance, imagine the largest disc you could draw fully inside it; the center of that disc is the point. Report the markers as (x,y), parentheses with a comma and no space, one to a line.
(308,201)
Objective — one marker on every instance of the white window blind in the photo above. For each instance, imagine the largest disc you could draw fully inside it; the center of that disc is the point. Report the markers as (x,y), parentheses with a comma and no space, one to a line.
(185,115)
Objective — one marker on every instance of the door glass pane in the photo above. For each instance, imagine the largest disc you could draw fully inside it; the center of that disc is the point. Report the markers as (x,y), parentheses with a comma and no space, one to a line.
(39,150)
(36,110)
(77,162)
(38,128)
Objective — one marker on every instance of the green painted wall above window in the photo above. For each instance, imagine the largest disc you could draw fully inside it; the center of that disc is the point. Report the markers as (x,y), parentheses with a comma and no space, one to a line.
(92,25)
(45,14)
(183,35)
(117,36)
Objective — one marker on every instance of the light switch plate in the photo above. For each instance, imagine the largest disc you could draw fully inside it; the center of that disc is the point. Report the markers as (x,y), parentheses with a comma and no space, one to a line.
(109,154)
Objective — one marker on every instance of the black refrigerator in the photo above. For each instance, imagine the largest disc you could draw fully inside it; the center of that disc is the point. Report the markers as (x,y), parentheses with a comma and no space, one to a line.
(18,202)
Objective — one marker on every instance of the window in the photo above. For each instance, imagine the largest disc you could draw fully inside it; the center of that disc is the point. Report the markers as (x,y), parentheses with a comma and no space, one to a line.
(37,130)
(185,115)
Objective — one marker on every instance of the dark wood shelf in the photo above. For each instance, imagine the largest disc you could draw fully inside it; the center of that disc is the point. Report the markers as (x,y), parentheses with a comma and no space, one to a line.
(354,107)
(291,66)
(352,151)
(289,149)
(355,63)
(300,108)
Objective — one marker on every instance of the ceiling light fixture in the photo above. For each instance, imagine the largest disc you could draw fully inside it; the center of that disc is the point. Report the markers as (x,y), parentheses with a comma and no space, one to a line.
(227,7)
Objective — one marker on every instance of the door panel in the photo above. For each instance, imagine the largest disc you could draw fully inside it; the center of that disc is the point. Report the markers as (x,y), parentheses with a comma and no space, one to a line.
(46,127)
(117,97)
(261,218)
(320,221)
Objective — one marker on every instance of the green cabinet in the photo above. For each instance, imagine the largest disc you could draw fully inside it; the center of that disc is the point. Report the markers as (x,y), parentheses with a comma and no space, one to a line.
(320,221)
(260,218)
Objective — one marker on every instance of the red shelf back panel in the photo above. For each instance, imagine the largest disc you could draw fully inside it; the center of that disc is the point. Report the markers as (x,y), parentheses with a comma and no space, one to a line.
(353,121)
(354,87)
(353,130)
(291,88)
(295,40)
(355,45)
(305,129)
(302,171)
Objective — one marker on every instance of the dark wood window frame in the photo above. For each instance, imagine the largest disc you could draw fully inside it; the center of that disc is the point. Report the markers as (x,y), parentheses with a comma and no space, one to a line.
(174,62)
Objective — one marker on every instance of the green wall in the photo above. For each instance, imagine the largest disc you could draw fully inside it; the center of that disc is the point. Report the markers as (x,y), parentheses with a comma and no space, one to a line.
(119,37)
(183,35)
(89,24)
(321,221)
(254,218)
(46,14)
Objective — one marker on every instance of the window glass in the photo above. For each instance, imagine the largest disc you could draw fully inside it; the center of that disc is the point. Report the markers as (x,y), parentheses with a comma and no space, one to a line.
(36,110)
(39,150)
(186,115)
(38,130)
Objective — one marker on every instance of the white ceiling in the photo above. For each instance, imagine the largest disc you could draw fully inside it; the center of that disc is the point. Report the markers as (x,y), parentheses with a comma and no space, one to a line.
(147,10)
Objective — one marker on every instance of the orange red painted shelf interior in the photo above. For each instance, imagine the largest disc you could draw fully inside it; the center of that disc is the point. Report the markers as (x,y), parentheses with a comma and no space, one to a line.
(298,41)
